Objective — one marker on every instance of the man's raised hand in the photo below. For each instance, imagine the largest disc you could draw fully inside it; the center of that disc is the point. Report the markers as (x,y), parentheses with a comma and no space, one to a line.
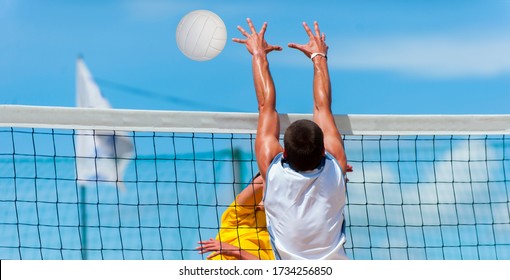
(317,43)
(255,42)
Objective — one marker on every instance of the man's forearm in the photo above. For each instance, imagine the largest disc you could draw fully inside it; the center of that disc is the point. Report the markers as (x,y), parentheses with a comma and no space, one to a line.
(264,85)
(321,84)
(322,100)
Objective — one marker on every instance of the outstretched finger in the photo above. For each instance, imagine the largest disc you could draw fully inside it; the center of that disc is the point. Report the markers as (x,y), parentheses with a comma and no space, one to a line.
(237,40)
(250,24)
(214,254)
(307,29)
(240,28)
(316,27)
(296,46)
(275,48)
(206,242)
(206,248)
(263,29)
(201,249)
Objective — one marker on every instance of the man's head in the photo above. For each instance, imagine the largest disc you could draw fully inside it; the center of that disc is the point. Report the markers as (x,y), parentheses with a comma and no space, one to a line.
(304,145)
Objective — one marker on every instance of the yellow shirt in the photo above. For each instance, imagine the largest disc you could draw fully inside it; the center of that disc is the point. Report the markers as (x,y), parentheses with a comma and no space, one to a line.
(245,227)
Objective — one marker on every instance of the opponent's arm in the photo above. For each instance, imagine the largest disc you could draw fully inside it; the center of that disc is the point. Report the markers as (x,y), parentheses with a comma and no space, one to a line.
(322,114)
(267,144)
(252,194)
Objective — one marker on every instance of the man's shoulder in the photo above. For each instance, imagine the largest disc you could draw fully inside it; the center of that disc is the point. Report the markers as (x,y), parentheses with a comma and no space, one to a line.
(333,161)
(277,158)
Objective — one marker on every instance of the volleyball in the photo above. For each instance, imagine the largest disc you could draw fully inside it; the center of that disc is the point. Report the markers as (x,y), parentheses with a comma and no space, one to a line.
(201,35)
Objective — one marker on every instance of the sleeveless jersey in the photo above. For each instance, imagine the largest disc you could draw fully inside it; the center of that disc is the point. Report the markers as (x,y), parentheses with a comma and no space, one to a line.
(304,210)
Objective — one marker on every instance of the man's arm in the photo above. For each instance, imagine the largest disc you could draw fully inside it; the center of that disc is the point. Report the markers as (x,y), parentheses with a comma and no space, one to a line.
(267,144)
(322,114)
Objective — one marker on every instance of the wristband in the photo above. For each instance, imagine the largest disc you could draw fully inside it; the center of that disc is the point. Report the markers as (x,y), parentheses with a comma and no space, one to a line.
(316,54)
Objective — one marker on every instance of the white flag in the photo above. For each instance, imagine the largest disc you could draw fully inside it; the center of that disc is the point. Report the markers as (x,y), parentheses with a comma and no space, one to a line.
(101,155)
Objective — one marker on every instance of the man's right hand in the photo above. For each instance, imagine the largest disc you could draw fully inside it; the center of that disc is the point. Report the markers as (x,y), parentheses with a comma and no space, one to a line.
(255,42)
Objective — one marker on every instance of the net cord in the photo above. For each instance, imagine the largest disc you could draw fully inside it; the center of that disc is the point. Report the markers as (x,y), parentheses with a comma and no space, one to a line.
(221,122)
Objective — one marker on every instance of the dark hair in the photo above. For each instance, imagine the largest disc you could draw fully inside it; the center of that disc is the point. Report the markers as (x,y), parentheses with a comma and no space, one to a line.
(304,145)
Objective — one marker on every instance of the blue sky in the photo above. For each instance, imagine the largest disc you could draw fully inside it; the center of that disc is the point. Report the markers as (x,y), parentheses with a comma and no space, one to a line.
(385,57)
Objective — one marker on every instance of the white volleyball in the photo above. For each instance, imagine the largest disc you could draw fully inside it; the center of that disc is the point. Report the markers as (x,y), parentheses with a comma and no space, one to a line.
(201,35)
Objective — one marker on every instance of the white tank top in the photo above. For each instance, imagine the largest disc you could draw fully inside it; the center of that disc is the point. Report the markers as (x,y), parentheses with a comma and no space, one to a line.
(304,210)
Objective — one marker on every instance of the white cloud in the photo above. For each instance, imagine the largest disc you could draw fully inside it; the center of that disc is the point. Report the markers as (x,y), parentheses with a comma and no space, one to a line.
(430,56)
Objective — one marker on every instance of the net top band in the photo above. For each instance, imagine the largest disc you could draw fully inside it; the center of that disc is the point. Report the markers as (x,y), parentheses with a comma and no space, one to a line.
(223,122)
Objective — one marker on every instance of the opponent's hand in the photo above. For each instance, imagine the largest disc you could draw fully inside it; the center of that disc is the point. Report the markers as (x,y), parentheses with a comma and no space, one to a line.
(255,42)
(317,43)
(217,247)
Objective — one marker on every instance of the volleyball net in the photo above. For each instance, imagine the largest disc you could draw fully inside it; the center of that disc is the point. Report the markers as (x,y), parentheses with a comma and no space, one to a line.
(80,183)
